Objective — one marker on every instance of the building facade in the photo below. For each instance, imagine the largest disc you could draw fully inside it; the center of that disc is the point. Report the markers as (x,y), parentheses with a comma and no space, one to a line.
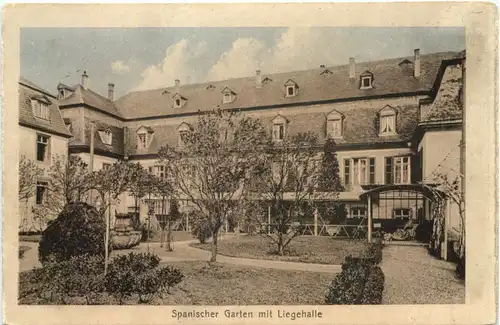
(393,120)
(43,136)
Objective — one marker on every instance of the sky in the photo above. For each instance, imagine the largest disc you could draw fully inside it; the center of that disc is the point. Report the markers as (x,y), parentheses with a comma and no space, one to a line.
(146,58)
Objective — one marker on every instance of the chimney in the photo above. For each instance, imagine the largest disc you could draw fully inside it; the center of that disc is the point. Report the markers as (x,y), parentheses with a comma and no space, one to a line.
(352,68)
(177,85)
(416,64)
(85,80)
(258,79)
(111,91)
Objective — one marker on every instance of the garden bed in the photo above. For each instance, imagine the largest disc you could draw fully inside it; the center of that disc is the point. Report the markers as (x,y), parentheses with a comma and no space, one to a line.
(223,284)
(305,249)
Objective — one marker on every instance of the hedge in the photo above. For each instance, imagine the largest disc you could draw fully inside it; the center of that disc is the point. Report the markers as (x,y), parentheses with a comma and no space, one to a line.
(361,280)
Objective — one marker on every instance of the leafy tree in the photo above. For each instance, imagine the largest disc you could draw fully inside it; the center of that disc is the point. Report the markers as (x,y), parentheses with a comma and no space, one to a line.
(289,178)
(210,167)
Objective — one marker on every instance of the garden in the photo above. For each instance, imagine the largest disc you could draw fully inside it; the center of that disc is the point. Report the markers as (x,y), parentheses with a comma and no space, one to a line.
(305,249)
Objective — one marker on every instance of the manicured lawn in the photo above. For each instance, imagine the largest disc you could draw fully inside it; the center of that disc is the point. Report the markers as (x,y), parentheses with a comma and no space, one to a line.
(305,249)
(222,284)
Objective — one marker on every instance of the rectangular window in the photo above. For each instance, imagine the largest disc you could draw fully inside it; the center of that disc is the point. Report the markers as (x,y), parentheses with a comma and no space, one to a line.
(41,192)
(366,82)
(358,212)
(388,124)
(182,137)
(42,147)
(335,128)
(160,171)
(362,171)
(142,140)
(388,170)
(372,170)
(402,170)
(347,170)
(290,90)
(403,213)
(40,109)
(278,132)
(106,166)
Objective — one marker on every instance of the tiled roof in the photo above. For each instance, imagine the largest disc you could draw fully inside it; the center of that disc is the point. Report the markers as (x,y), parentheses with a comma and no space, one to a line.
(81,95)
(360,126)
(55,123)
(117,144)
(446,104)
(388,78)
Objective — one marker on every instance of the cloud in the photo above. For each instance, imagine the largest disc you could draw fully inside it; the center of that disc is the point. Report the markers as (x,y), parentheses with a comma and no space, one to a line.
(241,60)
(295,49)
(120,67)
(181,61)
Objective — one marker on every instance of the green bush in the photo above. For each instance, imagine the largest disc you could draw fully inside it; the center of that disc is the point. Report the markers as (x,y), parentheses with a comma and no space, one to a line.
(373,251)
(347,287)
(361,281)
(81,276)
(77,230)
(139,274)
(374,287)
(202,231)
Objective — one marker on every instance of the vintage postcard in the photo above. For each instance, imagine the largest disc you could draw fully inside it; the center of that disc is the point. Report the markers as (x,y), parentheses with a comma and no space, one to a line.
(250,163)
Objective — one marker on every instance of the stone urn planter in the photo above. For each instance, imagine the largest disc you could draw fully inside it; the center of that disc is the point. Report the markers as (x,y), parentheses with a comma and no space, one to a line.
(123,235)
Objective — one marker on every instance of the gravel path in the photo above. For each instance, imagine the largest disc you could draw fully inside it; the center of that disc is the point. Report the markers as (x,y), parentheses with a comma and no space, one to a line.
(412,276)
(183,252)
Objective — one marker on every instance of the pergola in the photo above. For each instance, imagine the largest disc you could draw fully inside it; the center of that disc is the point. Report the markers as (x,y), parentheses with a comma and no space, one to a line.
(410,195)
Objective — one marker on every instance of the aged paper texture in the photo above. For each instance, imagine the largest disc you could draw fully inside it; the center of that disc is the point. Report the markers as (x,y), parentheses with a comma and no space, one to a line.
(140,136)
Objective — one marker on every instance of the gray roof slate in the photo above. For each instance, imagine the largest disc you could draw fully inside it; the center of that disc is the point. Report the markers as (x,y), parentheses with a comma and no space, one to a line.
(55,123)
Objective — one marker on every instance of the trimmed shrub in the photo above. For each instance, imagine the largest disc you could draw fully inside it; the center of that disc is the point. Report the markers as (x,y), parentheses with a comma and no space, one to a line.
(361,280)
(374,287)
(347,287)
(373,251)
(77,230)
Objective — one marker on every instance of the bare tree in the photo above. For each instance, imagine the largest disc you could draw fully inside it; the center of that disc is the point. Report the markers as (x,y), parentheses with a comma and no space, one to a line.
(291,178)
(68,181)
(210,166)
(29,172)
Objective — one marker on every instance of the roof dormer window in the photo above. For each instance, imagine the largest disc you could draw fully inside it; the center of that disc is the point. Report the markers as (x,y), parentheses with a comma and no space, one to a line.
(266,80)
(40,107)
(366,80)
(387,121)
(334,125)
(144,137)
(326,72)
(280,126)
(227,95)
(106,136)
(291,88)
(179,101)
(183,129)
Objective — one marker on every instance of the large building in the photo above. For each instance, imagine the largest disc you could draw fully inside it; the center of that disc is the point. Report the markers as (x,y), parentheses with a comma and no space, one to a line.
(394,121)
(43,136)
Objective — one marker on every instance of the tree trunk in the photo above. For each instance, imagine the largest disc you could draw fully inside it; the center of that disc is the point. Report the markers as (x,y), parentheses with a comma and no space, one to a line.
(213,258)
(280,245)
(169,237)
